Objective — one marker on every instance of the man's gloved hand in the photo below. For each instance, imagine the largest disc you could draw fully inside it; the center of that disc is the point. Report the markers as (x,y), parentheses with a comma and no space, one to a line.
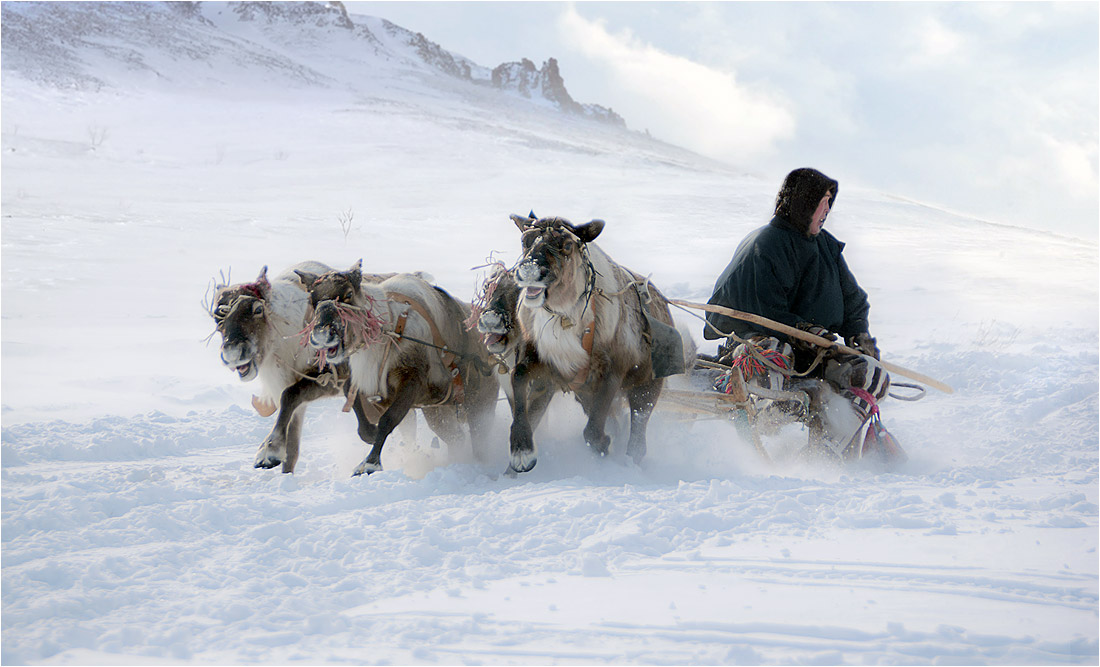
(865,344)
(725,351)
(811,328)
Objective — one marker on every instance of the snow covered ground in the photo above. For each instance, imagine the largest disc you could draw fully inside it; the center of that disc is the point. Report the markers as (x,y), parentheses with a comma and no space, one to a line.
(135,529)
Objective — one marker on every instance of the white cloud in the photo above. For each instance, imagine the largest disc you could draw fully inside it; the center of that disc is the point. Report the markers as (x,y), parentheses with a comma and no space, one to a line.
(936,40)
(679,100)
(1076,166)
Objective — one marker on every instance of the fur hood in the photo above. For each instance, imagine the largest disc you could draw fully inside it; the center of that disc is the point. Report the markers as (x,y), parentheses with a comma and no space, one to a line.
(799,195)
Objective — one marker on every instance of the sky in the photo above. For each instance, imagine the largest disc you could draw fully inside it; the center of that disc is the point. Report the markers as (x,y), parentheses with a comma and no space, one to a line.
(987,109)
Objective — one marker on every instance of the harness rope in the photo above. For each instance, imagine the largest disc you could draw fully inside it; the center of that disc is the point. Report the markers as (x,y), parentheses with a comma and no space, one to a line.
(485,293)
(877,437)
(367,329)
(364,326)
(756,352)
(750,365)
(866,396)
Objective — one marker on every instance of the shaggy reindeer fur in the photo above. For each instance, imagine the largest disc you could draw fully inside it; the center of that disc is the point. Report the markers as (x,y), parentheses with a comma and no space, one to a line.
(568,284)
(259,323)
(396,372)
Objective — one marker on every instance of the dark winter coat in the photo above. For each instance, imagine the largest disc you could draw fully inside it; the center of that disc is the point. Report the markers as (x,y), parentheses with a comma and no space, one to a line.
(780,272)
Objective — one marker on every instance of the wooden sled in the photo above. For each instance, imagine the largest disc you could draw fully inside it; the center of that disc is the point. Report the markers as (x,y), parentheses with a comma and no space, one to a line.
(740,405)
(740,402)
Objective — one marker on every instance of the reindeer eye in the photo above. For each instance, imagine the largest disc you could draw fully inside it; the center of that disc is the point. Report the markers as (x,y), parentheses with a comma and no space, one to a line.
(221,312)
(567,247)
(258,308)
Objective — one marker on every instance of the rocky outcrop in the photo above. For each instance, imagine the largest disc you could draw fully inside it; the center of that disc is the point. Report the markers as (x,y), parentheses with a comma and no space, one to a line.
(546,83)
(432,54)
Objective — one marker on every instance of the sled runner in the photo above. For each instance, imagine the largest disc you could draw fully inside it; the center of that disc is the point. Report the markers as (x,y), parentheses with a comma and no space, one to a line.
(725,389)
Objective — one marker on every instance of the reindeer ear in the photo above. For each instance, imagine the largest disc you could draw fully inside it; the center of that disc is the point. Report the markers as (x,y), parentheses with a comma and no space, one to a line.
(522,222)
(262,282)
(355,273)
(589,230)
(306,277)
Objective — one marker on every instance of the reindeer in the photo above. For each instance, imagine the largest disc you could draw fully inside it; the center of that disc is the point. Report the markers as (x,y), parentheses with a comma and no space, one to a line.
(496,317)
(259,323)
(598,328)
(405,345)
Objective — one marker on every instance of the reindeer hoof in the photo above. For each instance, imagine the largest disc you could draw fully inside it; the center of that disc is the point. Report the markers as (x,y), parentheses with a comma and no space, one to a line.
(366,468)
(271,453)
(601,445)
(266,463)
(522,461)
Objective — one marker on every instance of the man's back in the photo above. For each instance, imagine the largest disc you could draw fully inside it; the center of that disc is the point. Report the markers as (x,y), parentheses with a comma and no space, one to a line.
(783,275)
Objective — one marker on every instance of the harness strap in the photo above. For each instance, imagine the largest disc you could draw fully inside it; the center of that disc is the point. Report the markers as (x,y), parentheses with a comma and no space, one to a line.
(457,388)
(419,309)
(353,394)
(587,338)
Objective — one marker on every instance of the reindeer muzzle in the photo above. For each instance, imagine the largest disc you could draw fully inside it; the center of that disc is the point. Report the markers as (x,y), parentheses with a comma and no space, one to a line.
(328,331)
(240,357)
(532,279)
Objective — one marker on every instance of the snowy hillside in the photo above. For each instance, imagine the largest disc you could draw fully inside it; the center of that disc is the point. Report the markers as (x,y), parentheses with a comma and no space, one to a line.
(146,154)
(250,46)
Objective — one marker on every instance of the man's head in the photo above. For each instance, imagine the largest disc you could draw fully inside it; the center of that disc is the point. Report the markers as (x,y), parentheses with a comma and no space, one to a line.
(805,199)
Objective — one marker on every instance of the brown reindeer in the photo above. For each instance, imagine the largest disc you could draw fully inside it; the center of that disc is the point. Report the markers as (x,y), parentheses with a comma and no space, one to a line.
(496,316)
(405,345)
(598,328)
(259,322)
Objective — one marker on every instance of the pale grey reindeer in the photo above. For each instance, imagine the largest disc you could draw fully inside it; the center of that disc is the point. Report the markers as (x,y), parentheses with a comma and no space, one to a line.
(259,323)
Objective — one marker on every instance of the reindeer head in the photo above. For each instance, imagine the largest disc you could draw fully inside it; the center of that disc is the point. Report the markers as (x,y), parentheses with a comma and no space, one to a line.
(553,270)
(240,316)
(497,321)
(340,318)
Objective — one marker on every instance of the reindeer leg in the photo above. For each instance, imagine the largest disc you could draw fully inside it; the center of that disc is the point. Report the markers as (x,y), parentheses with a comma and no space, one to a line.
(366,428)
(481,408)
(599,404)
(522,454)
(407,428)
(273,450)
(294,439)
(443,421)
(538,399)
(641,398)
(410,386)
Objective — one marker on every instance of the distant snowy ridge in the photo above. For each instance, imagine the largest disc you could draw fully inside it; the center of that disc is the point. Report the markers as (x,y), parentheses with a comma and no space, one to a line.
(95,46)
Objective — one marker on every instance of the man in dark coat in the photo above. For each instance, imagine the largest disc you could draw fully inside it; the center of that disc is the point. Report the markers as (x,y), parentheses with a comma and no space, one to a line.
(793,272)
